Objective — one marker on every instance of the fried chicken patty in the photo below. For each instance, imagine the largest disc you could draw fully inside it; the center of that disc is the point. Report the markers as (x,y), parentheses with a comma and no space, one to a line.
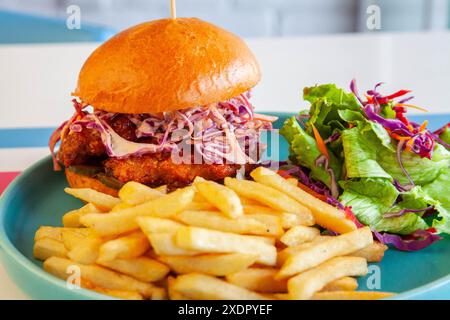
(80,148)
(159,169)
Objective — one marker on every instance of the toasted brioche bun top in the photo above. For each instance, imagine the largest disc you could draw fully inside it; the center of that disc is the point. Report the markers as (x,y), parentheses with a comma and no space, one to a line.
(167,65)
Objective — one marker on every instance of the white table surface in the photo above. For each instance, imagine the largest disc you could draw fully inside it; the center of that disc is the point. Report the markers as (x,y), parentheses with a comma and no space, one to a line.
(36,80)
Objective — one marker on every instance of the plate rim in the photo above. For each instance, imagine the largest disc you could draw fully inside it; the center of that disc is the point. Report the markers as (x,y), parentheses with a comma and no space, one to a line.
(12,252)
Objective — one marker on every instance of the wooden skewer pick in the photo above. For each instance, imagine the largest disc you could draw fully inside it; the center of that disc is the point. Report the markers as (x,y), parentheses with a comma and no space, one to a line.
(173,9)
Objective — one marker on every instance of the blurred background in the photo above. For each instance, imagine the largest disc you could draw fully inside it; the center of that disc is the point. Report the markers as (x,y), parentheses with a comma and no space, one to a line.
(40,20)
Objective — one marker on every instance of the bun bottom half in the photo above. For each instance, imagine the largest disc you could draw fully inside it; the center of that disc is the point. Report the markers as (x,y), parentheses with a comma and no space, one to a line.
(76,180)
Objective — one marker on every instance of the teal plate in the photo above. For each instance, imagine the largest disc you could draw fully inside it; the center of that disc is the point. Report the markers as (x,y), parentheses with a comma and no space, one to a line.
(37,198)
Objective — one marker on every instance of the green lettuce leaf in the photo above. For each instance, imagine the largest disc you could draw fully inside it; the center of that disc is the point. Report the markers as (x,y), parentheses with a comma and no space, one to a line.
(421,170)
(445,136)
(368,152)
(371,198)
(360,154)
(364,160)
(326,102)
(439,192)
(358,120)
(332,94)
(387,111)
(304,151)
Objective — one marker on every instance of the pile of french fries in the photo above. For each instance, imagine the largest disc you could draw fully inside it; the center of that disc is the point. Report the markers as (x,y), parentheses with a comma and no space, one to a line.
(241,240)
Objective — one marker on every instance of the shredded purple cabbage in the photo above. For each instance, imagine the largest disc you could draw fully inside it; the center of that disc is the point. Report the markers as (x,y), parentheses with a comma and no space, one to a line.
(303,176)
(442,129)
(394,125)
(421,142)
(335,136)
(440,141)
(399,186)
(404,100)
(323,160)
(438,132)
(227,132)
(335,203)
(400,146)
(416,241)
(354,89)
(272,164)
(302,118)
(405,211)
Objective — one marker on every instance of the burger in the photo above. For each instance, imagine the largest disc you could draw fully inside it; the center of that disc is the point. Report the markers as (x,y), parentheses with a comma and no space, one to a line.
(160,104)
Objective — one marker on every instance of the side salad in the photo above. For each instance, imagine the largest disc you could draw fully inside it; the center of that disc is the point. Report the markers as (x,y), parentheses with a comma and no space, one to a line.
(362,154)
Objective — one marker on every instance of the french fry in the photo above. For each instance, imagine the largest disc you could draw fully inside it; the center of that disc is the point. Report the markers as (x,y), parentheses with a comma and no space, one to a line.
(258,279)
(322,251)
(341,295)
(86,252)
(120,206)
(306,284)
(173,294)
(60,234)
(292,181)
(288,251)
(157,225)
(46,247)
(216,221)
(245,240)
(223,198)
(256,209)
(162,189)
(281,296)
(264,194)
(250,202)
(98,276)
(202,287)
(283,255)
(164,245)
(342,284)
(56,233)
(212,264)
(123,221)
(288,219)
(324,214)
(120,294)
(72,218)
(198,179)
(372,253)
(198,196)
(72,239)
(298,235)
(272,223)
(211,241)
(127,247)
(141,268)
(159,294)
(351,295)
(135,193)
(196,205)
(102,201)
(267,240)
